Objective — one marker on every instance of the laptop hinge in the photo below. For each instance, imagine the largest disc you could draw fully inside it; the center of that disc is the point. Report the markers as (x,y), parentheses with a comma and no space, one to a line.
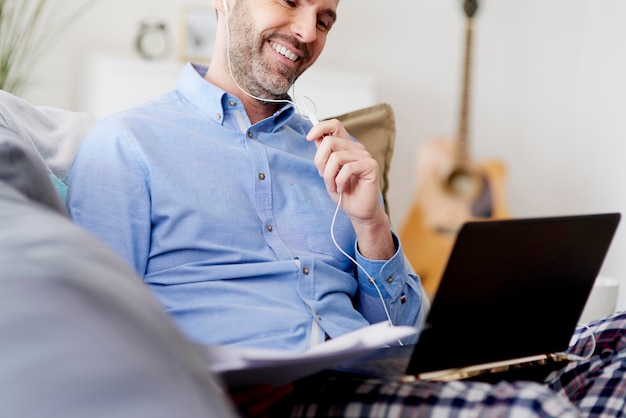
(488,368)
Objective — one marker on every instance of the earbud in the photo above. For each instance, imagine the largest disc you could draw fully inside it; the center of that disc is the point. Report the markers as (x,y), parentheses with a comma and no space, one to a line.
(225,3)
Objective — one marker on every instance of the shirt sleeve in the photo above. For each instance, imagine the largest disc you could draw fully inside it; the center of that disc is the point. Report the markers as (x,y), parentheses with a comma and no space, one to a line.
(108,193)
(394,283)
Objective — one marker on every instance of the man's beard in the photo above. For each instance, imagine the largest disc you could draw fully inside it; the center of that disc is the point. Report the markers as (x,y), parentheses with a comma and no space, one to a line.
(249,67)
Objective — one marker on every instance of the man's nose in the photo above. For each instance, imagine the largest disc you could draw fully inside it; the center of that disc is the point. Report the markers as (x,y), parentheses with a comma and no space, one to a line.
(304,26)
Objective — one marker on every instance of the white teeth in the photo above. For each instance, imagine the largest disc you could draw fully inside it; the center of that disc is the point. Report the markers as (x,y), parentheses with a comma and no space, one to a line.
(284,51)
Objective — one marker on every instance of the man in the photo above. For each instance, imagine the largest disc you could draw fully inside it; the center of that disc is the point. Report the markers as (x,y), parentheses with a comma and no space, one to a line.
(223,203)
(223,200)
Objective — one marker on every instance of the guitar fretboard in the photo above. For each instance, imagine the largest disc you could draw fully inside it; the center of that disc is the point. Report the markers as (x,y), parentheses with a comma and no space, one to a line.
(470,8)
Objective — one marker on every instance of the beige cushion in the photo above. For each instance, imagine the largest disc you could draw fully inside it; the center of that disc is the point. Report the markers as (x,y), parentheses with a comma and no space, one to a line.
(374,127)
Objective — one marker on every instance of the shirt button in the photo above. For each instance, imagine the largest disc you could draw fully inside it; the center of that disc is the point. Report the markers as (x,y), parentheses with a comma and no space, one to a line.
(250,135)
(269,228)
(305,271)
(261,176)
(232,102)
(218,116)
(319,317)
(390,279)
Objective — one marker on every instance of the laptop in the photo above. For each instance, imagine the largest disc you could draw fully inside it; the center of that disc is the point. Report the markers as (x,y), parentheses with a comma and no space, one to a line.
(508,302)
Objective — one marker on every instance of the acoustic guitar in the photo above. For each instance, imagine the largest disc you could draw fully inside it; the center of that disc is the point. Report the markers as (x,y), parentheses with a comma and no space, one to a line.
(451,189)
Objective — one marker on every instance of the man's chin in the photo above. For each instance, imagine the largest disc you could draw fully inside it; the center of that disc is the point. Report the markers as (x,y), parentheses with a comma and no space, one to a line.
(277,91)
(273,86)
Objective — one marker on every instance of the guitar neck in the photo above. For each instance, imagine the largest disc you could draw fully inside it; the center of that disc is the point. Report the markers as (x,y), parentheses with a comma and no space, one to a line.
(470,7)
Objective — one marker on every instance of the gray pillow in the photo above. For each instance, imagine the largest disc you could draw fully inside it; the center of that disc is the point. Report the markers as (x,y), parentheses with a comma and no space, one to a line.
(22,170)
(81,334)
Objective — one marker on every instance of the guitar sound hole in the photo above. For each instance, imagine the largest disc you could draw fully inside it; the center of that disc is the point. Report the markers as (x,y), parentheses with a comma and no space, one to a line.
(462,184)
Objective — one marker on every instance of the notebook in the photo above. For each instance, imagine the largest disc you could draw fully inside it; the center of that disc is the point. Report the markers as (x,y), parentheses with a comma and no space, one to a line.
(508,302)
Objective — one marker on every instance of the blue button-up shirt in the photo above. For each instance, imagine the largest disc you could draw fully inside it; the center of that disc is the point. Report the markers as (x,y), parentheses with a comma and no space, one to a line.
(229,223)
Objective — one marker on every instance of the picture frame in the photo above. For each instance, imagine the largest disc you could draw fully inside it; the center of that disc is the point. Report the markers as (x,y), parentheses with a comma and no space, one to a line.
(197,33)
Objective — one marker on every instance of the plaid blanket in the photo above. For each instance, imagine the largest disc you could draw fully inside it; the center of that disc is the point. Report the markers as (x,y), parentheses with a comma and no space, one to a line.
(595,387)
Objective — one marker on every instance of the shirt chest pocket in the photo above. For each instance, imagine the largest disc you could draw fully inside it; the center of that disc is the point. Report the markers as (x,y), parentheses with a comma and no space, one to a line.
(315,210)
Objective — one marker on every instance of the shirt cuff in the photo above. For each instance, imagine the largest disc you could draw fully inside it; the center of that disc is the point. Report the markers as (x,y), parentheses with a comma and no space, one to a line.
(390,275)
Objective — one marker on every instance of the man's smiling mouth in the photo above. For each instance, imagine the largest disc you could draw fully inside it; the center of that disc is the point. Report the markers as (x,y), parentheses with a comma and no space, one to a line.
(284,51)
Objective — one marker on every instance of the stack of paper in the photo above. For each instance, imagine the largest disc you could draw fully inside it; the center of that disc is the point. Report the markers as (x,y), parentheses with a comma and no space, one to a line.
(245,366)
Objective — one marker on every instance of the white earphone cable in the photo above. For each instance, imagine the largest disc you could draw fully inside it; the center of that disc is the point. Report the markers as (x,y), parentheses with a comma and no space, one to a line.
(307,113)
(311,117)
(369,277)
(587,356)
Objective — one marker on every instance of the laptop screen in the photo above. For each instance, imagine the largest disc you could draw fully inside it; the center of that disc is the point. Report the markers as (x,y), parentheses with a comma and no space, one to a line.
(512,288)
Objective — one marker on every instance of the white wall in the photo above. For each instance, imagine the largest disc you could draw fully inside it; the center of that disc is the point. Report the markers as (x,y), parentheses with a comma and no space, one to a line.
(548,88)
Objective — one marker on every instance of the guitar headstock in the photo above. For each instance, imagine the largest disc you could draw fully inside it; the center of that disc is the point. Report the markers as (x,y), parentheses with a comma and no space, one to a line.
(470,7)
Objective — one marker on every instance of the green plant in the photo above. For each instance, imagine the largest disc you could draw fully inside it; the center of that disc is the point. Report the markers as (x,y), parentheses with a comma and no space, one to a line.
(27,29)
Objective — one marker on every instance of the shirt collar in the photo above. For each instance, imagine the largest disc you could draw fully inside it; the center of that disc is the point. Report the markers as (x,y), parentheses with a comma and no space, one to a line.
(212,100)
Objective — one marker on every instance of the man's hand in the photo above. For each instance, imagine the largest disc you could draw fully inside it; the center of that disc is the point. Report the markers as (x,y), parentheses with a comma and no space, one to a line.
(349,169)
